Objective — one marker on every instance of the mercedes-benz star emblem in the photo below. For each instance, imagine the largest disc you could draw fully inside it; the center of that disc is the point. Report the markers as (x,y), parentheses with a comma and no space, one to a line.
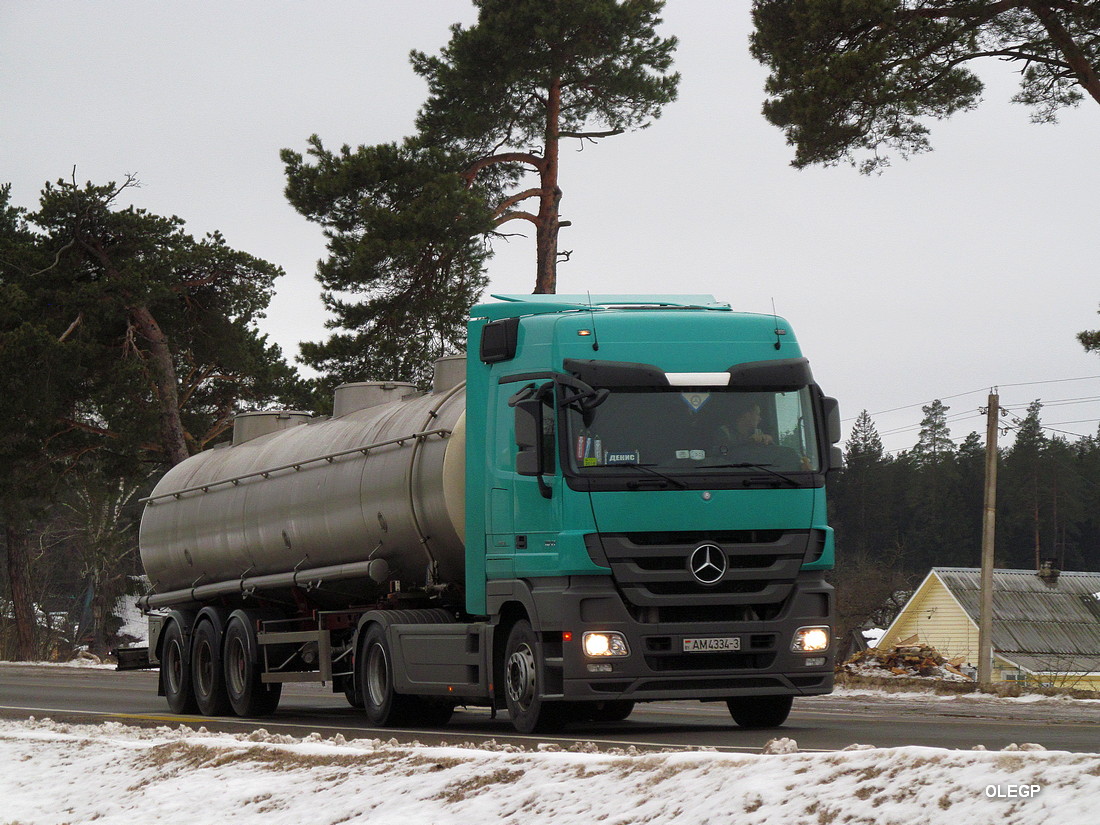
(707,564)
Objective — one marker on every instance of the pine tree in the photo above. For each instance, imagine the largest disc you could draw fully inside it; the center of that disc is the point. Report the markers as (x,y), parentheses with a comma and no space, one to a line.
(934,444)
(407,233)
(934,535)
(851,79)
(124,343)
(864,444)
(531,72)
(1025,530)
(859,495)
(410,224)
(161,323)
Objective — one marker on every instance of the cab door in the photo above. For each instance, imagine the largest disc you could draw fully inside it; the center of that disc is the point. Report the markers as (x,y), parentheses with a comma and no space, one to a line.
(536,481)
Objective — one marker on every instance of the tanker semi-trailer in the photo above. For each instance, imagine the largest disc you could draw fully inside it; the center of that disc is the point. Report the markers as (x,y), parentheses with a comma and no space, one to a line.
(613,499)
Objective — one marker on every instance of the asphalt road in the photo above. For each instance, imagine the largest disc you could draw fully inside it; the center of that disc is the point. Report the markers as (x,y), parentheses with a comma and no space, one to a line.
(820,723)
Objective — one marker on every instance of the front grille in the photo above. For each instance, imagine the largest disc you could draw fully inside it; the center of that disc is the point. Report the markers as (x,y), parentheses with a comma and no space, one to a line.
(677,588)
(652,571)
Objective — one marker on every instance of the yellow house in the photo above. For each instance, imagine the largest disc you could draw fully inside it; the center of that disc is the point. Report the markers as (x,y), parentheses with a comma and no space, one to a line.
(1046,627)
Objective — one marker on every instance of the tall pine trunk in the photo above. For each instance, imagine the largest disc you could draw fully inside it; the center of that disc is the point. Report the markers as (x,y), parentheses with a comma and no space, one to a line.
(546,233)
(19,580)
(165,383)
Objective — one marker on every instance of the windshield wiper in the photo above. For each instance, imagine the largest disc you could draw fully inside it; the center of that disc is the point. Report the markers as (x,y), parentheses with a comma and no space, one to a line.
(749,465)
(649,469)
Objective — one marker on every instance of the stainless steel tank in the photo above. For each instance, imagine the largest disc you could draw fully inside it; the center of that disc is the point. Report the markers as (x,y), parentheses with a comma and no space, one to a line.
(376,493)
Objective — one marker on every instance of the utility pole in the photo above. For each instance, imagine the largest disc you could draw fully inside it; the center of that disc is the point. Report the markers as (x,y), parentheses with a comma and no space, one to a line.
(989,518)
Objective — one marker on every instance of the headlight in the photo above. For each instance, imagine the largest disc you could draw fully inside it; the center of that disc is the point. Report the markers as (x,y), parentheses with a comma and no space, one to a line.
(810,639)
(599,645)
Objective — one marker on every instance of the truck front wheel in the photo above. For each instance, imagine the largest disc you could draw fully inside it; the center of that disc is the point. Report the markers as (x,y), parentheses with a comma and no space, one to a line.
(760,711)
(523,684)
(383,705)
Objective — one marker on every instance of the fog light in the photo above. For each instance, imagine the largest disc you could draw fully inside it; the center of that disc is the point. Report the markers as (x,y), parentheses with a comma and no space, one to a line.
(814,661)
(810,639)
(598,645)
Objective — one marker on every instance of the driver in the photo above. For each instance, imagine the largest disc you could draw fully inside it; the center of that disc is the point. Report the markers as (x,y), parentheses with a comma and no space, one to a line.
(745,430)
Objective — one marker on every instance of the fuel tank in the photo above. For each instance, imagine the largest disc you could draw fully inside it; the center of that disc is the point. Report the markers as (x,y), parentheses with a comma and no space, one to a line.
(374,494)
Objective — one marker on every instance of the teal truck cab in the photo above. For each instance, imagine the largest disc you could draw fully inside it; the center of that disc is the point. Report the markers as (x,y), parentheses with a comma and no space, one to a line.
(645,506)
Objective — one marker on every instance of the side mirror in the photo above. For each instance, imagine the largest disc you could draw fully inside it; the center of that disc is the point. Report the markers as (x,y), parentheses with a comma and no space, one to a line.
(831,408)
(836,458)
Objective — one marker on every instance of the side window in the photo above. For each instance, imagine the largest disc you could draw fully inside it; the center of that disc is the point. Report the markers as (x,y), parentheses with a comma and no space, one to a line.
(534,428)
(549,443)
(794,418)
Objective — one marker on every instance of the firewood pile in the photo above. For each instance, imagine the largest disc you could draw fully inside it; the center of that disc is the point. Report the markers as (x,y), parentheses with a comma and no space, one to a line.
(907,659)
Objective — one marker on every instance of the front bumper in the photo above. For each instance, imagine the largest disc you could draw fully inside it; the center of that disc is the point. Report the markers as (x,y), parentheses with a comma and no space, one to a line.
(658,667)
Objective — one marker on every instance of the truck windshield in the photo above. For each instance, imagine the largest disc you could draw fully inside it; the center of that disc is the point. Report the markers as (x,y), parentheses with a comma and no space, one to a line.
(695,431)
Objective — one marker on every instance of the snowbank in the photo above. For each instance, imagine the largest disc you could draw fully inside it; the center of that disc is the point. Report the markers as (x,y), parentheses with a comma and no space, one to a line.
(113,774)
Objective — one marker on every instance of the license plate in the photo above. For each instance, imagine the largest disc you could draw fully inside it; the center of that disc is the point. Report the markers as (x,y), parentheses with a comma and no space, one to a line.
(712,644)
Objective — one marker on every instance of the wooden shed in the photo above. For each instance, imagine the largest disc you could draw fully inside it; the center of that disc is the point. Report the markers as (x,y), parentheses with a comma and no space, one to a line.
(1046,627)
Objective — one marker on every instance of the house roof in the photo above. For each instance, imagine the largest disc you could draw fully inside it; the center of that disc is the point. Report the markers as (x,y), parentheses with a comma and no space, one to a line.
(1040,624)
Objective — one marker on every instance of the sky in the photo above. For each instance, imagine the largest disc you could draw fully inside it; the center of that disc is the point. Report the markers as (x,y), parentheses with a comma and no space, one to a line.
(963,269)
(112,774)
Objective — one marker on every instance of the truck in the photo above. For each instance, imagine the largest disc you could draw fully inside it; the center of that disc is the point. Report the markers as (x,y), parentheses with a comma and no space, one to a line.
(610,499)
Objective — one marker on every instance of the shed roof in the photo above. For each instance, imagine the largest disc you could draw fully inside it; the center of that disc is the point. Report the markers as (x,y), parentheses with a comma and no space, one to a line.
(1040,624)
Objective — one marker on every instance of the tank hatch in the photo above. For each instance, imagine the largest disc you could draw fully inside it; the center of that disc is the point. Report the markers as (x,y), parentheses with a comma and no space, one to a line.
(250,425)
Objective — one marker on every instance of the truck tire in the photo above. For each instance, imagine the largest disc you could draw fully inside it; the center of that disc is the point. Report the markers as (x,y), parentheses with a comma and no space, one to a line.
(351,691)
(760,711)
(175,671)
(248,694)
(523,684)
(383,705)
(207,673)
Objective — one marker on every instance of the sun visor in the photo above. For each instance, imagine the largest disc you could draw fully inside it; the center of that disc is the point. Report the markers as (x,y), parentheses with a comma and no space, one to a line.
(781,375)
(616,373)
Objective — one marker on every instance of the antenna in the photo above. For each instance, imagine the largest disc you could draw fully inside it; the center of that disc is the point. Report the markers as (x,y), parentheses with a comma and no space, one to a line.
(592,315)
(778,331)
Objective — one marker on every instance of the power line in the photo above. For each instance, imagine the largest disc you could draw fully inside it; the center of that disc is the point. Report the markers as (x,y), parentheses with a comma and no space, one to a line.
(983,389)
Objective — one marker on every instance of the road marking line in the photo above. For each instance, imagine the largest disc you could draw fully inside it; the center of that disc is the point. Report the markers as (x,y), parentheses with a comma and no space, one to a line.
(415,731)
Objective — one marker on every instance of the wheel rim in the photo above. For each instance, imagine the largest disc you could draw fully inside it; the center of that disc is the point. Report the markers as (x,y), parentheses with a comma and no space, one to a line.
(236,666)
(521,677)
(173,657)
(204,667)
(378,675)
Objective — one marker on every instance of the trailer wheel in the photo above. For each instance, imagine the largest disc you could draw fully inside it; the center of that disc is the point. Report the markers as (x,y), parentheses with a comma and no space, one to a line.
(760,711)
(175,674)
(523,682)
(383,705)
(207,674)
(248,695)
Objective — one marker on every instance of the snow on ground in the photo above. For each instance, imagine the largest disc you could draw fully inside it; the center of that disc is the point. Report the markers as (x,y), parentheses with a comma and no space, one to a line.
(53,773)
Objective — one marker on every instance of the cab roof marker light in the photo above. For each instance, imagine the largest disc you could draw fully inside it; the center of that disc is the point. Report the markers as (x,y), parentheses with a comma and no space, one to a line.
(698,379)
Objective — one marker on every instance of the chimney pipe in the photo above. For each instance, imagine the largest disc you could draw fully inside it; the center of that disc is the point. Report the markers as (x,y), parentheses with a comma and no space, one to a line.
(1048,572)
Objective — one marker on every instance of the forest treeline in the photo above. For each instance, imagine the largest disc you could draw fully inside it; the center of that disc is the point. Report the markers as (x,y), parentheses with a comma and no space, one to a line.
(897,516)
